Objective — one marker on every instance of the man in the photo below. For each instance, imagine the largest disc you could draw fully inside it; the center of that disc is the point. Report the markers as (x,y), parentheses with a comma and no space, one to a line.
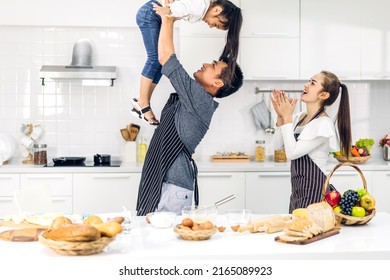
(169,173)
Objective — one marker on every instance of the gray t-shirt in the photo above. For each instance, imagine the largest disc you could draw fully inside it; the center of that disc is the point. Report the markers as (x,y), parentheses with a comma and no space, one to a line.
(194,111)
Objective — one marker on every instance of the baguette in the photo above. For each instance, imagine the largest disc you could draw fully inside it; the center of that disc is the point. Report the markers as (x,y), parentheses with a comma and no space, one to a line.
(74,232)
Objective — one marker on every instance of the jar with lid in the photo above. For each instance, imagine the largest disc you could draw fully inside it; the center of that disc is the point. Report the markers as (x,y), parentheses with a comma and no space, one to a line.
(280,155)
(260,150)
(40,154)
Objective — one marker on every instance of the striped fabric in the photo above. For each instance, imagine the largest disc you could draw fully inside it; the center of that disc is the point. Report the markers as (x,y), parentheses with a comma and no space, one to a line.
(307,179)
(164,148)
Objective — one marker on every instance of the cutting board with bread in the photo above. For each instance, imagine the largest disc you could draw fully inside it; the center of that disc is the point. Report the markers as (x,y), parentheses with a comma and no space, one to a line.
(21,235)
(318,223)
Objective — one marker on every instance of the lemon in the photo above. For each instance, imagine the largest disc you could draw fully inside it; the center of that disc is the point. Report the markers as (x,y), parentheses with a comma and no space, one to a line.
(300,213)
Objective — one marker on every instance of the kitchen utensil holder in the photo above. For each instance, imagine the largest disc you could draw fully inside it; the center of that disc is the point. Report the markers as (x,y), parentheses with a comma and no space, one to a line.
(347,219)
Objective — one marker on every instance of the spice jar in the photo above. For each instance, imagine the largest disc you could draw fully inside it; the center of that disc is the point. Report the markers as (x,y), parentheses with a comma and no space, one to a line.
(260,150)
(280,156)
(40,154)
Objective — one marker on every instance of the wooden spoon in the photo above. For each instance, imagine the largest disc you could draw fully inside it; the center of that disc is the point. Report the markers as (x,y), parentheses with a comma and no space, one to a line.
(125,134)
(134,130)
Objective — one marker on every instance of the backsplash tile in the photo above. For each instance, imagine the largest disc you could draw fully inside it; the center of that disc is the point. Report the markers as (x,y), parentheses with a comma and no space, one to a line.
(82,121)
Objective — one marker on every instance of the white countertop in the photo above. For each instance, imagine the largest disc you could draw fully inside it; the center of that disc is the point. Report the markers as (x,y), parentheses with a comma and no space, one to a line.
(377,164)
(368,241)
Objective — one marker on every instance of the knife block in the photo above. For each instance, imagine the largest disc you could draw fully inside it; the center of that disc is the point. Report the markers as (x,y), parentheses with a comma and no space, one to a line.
(130,152)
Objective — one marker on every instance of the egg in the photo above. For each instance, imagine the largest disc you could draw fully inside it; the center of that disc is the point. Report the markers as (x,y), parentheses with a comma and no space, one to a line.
(187,222)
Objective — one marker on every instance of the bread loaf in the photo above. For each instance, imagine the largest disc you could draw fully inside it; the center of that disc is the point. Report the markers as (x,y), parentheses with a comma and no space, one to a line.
(60,221)
(74,232)
(93,220)
(109,229)
(321,213)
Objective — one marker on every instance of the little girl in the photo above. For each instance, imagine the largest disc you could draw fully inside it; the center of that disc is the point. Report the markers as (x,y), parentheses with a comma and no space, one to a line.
(221,14)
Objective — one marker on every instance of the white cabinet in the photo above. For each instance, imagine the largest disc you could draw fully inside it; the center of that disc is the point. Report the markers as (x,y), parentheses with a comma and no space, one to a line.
(70,13)
(214,186)
(381,190)
(60,185)
(331,37)
(376,40)
(268,192)
(269,44)
(105,192)
(9,183)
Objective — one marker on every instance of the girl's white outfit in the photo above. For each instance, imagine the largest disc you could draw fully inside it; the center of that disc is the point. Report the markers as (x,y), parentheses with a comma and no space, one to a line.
(308,149)
(190,10)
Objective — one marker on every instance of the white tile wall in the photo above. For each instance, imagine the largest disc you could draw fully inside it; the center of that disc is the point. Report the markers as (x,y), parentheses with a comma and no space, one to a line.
(82,121)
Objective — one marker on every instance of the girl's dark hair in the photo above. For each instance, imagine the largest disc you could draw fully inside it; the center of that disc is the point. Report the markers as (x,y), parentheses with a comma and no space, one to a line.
(233,24)
(332,85)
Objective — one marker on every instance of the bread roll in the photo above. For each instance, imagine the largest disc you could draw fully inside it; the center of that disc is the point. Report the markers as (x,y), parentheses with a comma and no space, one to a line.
(109,229)
(93,220)
(118,220)
(74,232)
(60,221)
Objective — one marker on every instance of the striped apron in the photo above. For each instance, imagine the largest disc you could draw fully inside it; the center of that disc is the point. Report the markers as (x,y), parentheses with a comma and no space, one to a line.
(165,146)
(307,179)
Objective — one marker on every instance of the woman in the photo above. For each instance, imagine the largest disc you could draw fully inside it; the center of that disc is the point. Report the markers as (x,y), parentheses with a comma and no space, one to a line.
(309,136)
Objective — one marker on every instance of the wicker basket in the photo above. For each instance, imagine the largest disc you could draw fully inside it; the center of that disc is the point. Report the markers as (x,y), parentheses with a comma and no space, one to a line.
(354,160)
(75,248)
(195,234)
(346,219)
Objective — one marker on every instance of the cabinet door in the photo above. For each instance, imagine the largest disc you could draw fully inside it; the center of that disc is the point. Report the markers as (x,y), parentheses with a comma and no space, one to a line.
(105,192)
(381,190)
(376,40)
(331,38)
(60,187)
(216,186)
(9,183)
(268,192)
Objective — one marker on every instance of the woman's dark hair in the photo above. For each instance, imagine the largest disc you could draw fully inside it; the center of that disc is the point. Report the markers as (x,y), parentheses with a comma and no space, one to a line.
(231,82)
(332,85)
(233,24)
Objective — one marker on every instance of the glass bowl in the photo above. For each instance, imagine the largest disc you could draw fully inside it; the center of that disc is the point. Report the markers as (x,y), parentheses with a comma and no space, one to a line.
(200,214)
(161,219)
(238,217)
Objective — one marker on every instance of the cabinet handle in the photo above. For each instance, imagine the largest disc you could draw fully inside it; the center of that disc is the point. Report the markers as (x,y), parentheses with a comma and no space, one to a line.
(110,176)
(274,174)
(216,175)
(206,35)
(348,174)
(6,199)
(58,199)
(270,77)
(46,176)
(6,177)
(273,35)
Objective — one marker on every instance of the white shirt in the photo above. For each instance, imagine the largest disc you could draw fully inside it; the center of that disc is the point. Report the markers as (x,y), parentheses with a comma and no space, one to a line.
(190,10)
(316,139)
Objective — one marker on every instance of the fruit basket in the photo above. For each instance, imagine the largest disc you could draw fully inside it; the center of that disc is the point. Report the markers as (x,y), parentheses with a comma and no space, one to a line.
(354,160)
(75,248)
(188,234)
(347,219)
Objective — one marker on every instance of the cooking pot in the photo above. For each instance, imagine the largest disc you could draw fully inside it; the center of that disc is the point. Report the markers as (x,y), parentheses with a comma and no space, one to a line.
(102,159)
(69,161)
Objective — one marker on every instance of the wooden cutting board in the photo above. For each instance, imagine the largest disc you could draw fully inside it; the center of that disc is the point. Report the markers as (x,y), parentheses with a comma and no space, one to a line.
(21,235)
(216,158)
(19,225)
(313,239)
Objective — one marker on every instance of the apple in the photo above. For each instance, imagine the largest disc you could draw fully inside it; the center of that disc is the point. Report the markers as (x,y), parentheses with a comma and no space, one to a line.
(358,211)
(333,196)
(368,202)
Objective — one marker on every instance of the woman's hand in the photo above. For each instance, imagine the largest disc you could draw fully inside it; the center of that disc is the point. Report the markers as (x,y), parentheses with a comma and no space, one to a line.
(284,106)
(162,11)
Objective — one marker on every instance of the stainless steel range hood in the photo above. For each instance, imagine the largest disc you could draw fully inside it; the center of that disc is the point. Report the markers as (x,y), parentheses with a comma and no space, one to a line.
(81,68)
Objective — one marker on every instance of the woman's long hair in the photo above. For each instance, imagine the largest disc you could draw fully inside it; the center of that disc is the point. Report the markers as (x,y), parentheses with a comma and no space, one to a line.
(333,86)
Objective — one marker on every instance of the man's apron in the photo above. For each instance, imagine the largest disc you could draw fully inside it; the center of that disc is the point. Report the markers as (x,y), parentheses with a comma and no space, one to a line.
(307,179)
(165,146)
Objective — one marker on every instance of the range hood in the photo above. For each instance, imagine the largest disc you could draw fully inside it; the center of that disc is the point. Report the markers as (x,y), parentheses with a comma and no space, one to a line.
(81,68)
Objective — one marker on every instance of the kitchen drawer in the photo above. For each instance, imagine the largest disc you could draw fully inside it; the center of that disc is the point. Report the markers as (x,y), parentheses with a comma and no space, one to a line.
(8,184)
(60,184)
(7,206)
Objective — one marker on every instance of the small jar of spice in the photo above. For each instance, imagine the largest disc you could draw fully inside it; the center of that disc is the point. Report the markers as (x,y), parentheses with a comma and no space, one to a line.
(260,150)
(40,154)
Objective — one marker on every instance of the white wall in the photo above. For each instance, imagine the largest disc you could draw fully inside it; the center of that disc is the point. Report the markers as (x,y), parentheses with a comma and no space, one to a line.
(86,120)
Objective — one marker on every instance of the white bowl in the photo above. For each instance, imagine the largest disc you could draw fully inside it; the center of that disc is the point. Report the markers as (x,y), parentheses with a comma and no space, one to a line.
(161,219)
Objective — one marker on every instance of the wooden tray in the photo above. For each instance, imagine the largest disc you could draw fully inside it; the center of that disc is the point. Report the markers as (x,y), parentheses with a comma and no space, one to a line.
(21,235)
(313,239)
(216,158)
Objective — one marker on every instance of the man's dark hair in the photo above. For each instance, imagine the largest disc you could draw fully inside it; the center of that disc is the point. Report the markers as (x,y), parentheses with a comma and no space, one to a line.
(232,79)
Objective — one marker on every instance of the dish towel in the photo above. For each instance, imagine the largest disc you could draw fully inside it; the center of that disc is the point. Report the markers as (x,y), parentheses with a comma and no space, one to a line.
(261,115)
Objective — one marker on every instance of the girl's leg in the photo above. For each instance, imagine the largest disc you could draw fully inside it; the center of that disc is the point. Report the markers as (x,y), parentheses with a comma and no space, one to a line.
(149,23)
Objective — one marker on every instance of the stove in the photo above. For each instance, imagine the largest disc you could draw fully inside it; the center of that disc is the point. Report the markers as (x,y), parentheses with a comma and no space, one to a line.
(85,164)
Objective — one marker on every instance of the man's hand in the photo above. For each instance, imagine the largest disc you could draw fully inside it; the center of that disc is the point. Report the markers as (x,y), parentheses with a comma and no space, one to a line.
(162,11)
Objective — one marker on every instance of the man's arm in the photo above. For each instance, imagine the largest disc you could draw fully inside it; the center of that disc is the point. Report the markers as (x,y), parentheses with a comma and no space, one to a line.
(165,41)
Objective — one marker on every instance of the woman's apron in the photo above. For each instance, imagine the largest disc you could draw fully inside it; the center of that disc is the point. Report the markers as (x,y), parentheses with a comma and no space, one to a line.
(165,146)
(307,179)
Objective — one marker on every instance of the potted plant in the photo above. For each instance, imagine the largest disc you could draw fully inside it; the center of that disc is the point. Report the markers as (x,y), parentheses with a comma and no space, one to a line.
(384,143)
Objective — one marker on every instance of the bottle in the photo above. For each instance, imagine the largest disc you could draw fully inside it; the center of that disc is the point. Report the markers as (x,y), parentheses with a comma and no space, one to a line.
(260,150)
(142,149)
(40,154)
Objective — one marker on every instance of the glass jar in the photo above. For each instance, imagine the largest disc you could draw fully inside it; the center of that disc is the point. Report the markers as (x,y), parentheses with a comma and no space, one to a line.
(40,154)
(142,149)
(280,156)
(260,150)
